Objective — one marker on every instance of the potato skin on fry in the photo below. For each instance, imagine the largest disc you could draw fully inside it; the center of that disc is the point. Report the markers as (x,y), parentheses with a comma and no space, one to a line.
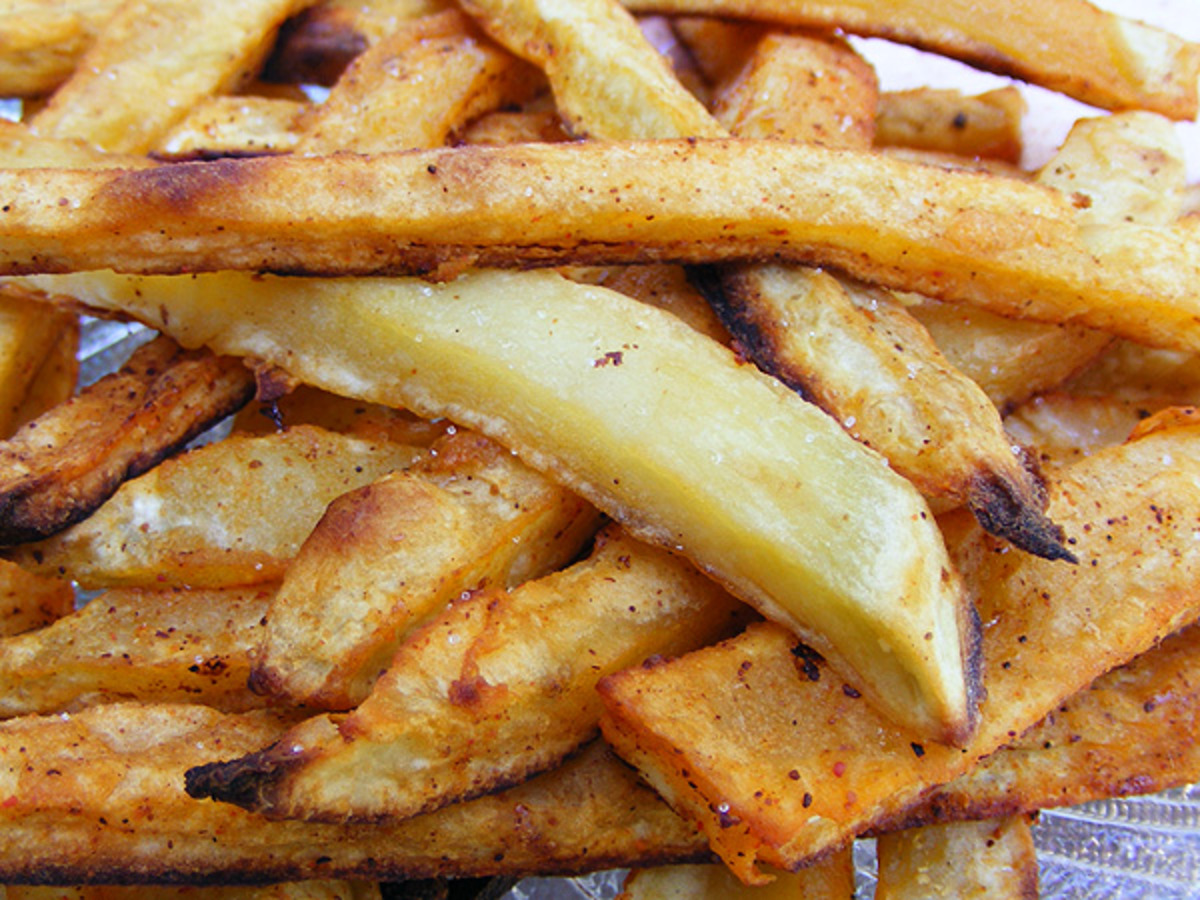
(59,468)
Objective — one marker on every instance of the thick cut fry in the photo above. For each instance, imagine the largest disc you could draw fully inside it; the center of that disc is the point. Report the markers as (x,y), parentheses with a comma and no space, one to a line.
(57,377)
(29,601)
(666,287)
(830,879)
(387,557)
(573,42)
(502,128)
(595,388)
(230,513)
(962,235)
(945,121)
(153,60)
(1134,730)
(291,890)
(57,469)
(416,87)
(29,331)
(105,802)
(1069,46)
(497,688)
(166,646)
(43,41)
(21,148)
(812,765)
(1143,375)
(1061,427)
(990,860)
(235,126)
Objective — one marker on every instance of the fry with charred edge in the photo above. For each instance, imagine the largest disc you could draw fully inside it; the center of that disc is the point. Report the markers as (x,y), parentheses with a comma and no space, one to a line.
(152,61)
(830,879)
(1132,731)
(164,646)
(994,859)
(594,387)
(67,819)
(497,688)
(991,241)
(233,512)
(387,557)
(57,469)
(1068,46)
(787,787)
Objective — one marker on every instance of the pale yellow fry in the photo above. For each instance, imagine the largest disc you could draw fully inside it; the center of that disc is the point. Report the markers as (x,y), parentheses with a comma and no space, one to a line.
(43,41)
(29,332)
(990,860)
(244,124)
(1066,45)
(830,879)
(595,388)
(233,512)
(1016,248)
(21,148)
(56,378)
(155,59)
(574,41)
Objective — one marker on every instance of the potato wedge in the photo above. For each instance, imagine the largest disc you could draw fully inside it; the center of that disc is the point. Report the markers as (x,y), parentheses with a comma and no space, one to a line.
(105,803)
(1014,247)
(1069,46)
(57,469)
(993,859)
(164,646)
(230,513)
(152,61)
(815,765)
(593,387)
(495,689)
(387,557)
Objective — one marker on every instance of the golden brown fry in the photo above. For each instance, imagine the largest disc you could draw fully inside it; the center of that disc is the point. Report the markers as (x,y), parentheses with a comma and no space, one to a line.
(498,687)
(56,378)
(994,859)
(387,557)
(666,287)
(29,332)
(60,467)
(43,41)
(29,601)
(503,128)
(1132,731)
(1061,427)
(985,240)
(165,646)
(68,818)
(946,121)
(812,764)
(152,61)
(235,126)
(292,890)
(1069,46)
(416,87)
(21,148)
(577,41)
(830,879)
(1142,375)
(230,513)
(561,373)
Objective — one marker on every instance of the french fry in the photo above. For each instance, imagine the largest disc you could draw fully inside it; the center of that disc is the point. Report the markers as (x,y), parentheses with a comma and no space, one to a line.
(105,803)
(812,765)
(29,601)
(1129,732)
(1068,46)
(502,128)
(495,689)
(235,125)
(22,148)
(43,42)
(166,646)
(29,331)
(306,405)
(61,466)
(56,379)
(574,384)
(961,235)
(992,859)
(293,890)
(230,513)
(389,556)
(946,121)
(152,61)
(830,879)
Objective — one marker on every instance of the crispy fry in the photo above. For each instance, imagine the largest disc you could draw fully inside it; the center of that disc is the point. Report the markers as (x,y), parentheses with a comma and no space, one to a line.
(182,646)
(235,126)
(230,513)
(43,42)
(307,405)
(29,332)
(765,791)
(56,378)
(993,859)
(497,688)
(830,879)
(962,235)
(21,148)
(946,121)
(67,819)
(1067,45)
(499,129)
(292,890)
(29,601)
(387,557)
(568,391)
(60,467)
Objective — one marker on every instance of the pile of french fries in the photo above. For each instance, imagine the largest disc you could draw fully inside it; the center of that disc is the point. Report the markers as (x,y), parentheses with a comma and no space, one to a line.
(573,436)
